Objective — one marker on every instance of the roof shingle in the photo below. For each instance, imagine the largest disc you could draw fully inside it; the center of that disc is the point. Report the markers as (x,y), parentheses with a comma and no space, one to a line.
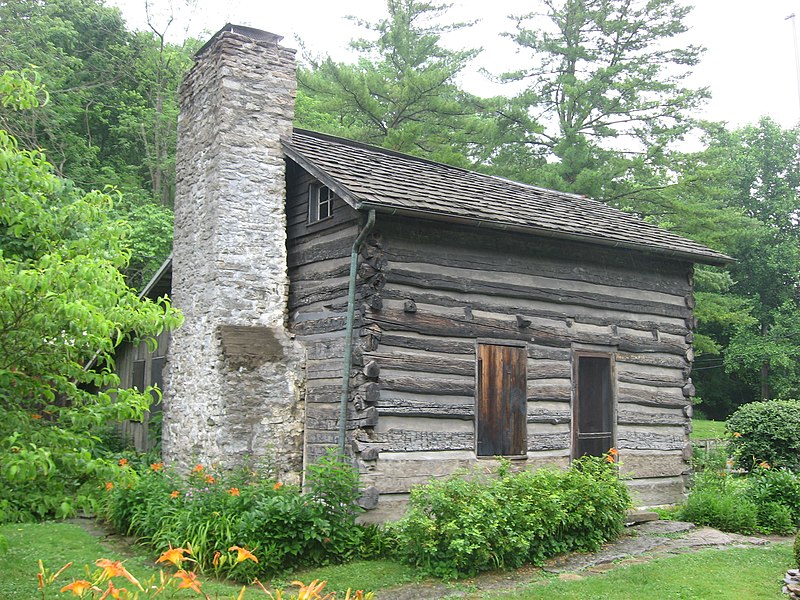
(371,177)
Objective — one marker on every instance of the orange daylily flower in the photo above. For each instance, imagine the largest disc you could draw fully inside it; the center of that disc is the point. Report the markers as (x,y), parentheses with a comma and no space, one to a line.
(197,469)
(277,486)
(114,568)
(123,462)
(36,417)
(109,486)
(174,494)
(113,592)
(173,555)
(209,479)
(737,434)
(79,587)
(310,591)
(234,491)
(188,581)
(764,464)
(157,466)
(613,452)
(242,554)
(215,560)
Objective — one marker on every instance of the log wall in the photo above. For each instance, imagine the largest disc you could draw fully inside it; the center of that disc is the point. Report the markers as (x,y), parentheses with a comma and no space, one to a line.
(440,293)
(425,298)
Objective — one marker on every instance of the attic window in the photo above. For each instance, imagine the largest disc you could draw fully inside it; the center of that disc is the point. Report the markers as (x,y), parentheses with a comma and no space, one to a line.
(320,203)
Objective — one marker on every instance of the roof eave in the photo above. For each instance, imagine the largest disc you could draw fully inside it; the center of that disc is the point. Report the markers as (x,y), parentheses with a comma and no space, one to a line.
(318,173)
(719,260)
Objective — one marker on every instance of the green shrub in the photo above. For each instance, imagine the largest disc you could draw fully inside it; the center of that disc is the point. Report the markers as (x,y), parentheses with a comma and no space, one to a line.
(471,523)
(766,432)
(797,550)
(718,500)
(766,500)
(211,511)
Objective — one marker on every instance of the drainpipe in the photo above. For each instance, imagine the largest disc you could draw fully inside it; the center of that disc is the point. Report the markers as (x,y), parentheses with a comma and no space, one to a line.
(348,335)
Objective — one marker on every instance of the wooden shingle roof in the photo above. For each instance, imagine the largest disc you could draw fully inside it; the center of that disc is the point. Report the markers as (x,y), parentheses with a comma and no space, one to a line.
(368,177)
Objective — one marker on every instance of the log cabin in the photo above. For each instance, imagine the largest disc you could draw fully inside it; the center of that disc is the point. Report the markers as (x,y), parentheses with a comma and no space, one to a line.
(421,317)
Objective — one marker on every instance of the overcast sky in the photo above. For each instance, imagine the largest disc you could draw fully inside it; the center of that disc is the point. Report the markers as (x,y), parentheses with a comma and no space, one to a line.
(749,64)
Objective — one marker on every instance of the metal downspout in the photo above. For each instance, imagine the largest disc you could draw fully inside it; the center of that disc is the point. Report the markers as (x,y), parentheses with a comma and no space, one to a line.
(348,335)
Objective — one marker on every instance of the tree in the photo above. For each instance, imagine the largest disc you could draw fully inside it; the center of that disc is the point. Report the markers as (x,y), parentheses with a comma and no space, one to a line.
(401,94)
(605,89)
(64,304)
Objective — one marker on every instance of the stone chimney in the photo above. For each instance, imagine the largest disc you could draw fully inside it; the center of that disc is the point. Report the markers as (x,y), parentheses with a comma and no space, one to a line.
(233,373)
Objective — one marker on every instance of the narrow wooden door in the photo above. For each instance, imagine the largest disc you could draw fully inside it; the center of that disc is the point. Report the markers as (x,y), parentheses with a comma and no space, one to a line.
(593,411)
(501,400)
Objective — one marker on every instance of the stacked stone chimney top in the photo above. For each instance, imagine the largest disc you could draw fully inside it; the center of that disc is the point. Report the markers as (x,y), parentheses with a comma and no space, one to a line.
(250,32)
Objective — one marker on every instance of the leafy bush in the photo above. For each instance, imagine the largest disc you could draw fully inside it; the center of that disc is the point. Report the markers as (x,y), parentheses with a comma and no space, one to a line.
(797,550)
(766,500)
(470,522)
(210,511)
(766,432)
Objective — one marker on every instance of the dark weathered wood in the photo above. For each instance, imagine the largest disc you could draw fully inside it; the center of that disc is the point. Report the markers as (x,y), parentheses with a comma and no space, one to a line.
(475,285)
(501,400)
(413,341)
(309,252)
(650,397)
(675,380)
(407,440)
(432,407)
(424,362)
(516,253)
(548,415)
(559,393)
(436,386)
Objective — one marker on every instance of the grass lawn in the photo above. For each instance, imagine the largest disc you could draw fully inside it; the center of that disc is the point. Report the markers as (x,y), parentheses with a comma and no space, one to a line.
(752,573)
(703,429)
(59,543)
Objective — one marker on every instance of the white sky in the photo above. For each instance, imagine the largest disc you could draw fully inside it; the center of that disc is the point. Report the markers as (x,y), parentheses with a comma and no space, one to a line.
(749,64)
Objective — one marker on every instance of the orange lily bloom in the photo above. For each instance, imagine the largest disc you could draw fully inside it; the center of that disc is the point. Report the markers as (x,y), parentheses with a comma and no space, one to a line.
(174,556)
(79,587)
(209,479)
(112,592)
(157,466)
(109,486)
(234,491)
(215,560)
(277,486)
(197,469)
(123,462)
(737,434)
(764,465)
(36,416)
(242,554)
(310,591)
(613,452)
(188,581)
(174,494)
(114,568)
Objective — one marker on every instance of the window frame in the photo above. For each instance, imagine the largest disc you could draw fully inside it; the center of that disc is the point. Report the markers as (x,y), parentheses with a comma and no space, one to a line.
(315,202)
(577,436)
(508,409)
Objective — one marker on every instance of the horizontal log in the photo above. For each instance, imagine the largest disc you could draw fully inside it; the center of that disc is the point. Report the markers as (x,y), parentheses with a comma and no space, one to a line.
(415,341)
(573,313)
(448,326)
(310,292)
(548,441)
(473,284)
(427,407)
(549,369)
(655,360)
(438,386)
(651,396)
(549,415)
(633,417)
(321,325)
(335,244)
(424,362)
(523,254)
(406,440)
(645,440)
(538,392)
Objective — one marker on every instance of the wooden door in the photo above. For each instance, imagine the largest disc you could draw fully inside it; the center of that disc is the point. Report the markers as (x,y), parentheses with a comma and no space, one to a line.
(501,400)
(593,410)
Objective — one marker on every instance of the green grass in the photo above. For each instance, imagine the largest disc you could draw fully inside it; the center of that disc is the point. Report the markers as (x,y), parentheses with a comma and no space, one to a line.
(752,573)
(704,429)
(59,543)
